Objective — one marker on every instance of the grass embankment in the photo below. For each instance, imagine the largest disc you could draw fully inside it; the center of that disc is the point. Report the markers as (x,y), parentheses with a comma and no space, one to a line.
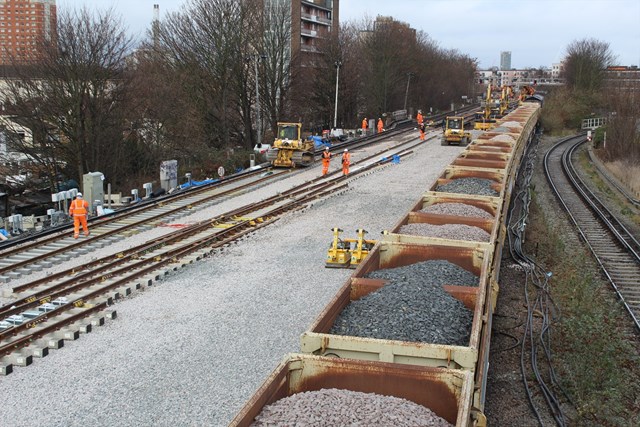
(595,358)
(625,175)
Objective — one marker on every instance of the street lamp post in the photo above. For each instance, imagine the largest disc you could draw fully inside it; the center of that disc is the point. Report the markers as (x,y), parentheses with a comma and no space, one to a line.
(406,94)
(335,110)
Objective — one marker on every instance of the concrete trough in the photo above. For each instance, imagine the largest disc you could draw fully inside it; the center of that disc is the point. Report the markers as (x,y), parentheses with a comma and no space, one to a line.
(446,392)
(317,340)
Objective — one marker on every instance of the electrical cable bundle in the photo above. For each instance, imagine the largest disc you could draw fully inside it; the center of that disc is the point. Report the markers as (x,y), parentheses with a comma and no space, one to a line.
(535,357)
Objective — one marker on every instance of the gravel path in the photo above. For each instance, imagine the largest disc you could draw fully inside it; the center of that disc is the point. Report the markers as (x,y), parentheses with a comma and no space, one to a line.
(190,350)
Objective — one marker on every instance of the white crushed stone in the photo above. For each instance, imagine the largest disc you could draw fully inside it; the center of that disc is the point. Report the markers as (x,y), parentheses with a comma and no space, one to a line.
(193,348)
(503,138)
(512,125)
(334,407)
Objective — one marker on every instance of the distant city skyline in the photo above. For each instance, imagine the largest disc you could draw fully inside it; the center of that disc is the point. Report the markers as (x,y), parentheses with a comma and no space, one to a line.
(536,32)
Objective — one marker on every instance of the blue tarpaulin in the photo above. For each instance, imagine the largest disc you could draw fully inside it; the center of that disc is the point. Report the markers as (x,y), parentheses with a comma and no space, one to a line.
(194,183)
(319,142)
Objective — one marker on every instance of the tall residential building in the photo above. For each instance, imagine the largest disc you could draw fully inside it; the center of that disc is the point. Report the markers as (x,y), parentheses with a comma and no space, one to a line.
(311,20)
(505,60)
(22,23)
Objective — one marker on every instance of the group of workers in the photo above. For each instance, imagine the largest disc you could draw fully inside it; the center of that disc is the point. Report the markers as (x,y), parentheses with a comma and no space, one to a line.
(346,157)
(326,160)
(380,126)
(365,126)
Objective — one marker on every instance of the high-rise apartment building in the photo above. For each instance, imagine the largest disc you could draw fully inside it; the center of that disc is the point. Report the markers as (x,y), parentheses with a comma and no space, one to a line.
(505,60)
(22,24)
(311,20)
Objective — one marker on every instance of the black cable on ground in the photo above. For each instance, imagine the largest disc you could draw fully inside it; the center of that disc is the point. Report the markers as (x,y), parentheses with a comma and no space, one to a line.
(541,309)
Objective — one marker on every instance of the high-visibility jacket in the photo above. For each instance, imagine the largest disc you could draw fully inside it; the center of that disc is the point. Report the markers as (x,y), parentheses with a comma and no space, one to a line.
(326,155)
(346,159)
(364,123)
(79,207)
(380,126)
(419,118)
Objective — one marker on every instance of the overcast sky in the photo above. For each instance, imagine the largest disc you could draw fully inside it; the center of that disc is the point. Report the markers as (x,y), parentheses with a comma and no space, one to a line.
(536,32)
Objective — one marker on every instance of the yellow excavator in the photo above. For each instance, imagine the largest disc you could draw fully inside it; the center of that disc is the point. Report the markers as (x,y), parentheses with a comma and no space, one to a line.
(483,119)
(342,255)
(289,149)
(454,132)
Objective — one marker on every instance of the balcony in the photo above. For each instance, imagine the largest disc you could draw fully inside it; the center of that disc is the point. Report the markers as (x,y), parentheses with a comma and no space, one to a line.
(308,33)
(322,4)
(315,18)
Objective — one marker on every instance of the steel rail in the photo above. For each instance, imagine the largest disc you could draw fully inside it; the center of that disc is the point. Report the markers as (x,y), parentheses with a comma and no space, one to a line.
(99,234)
(618,264)
(313,192)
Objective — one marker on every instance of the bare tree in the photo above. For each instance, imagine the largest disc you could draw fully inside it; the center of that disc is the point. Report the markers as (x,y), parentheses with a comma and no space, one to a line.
(274,46)
(585,63)
(209,43)
(71,97)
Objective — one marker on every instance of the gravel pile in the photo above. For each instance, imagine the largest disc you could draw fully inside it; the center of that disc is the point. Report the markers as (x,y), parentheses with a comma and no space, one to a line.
(446,231)
(194,347)
(412,307)
(333,407)
(479,186)
(513,125)
(503,138)
(457,209)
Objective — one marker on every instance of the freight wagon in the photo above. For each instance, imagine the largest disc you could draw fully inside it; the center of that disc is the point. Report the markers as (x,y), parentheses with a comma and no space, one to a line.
(439,265)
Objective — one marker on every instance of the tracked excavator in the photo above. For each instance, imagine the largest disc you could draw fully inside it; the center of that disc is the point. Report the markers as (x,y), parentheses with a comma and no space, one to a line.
(289,149)
(483,119)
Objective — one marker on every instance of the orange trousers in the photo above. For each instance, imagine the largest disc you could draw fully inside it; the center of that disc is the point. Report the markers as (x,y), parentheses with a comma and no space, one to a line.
(325,167)
(421,135)
(345,169)
(77,220)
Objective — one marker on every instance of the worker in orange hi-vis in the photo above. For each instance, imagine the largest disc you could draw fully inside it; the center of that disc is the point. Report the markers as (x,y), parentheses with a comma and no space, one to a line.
(78,210)
(346,161)
(420,120)
(326,159)
(364,126)
(380,125)
(421,126)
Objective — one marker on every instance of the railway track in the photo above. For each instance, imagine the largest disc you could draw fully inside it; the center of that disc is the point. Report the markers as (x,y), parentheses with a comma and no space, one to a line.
(41,253)
(59,307)
(614,247)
